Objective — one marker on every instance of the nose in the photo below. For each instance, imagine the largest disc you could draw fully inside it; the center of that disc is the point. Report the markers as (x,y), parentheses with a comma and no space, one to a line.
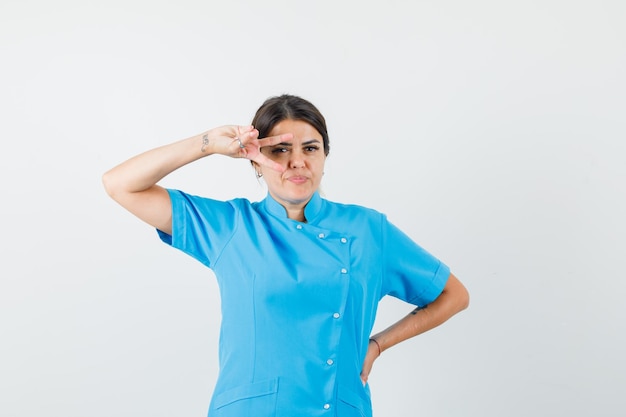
(297,160)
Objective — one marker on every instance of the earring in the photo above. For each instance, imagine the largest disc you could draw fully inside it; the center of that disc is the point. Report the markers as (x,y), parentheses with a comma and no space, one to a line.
(259,174)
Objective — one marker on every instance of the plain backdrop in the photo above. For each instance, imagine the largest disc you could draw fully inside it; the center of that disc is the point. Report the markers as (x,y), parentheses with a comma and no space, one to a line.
(492,132)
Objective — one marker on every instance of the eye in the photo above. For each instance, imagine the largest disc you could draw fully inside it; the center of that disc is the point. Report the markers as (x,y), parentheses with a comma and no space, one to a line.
(311,148)
(279,149)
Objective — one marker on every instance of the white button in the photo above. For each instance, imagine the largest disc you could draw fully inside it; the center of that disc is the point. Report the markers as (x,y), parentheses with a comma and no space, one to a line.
(321,235)
(299,227)
(326,406)
(344,240)
(344,271)
(336,315)
(330,361)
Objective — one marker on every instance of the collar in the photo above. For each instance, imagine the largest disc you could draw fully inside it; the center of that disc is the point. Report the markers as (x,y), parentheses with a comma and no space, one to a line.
(312,209)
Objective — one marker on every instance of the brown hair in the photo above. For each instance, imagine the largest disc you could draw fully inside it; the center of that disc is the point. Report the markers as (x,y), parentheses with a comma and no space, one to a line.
(289,107)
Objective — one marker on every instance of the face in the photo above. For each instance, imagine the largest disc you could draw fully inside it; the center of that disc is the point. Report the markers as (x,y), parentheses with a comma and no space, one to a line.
(303,161)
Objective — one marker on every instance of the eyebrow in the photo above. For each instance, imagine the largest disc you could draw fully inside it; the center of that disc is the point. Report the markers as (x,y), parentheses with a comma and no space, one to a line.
(308,142)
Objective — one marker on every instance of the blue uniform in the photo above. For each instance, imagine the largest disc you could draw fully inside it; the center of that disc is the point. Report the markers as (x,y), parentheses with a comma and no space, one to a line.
(298,299)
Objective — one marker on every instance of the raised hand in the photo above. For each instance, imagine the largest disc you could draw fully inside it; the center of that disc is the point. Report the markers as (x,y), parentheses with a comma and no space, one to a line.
(244,142)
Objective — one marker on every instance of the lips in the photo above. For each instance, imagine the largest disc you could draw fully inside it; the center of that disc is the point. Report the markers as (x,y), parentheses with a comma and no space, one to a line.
(297,179)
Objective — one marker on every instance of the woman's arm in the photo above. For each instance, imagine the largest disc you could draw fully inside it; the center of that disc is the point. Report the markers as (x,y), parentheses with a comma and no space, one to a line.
(133,183)
(453,299)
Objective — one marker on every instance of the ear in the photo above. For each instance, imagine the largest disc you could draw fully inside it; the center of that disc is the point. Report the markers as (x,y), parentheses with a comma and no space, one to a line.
(257,169)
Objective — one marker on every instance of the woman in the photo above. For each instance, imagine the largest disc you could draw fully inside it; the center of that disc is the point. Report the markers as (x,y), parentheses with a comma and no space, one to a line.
(300,277)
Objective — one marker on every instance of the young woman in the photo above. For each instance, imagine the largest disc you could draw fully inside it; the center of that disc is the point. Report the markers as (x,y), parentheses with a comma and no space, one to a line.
(300,277)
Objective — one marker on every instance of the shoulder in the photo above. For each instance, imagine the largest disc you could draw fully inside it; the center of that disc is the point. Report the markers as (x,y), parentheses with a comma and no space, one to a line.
(188,199)
(353,212)
(353,208)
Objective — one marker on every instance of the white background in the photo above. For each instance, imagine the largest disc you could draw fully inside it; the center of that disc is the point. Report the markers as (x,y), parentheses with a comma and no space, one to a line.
(493,132)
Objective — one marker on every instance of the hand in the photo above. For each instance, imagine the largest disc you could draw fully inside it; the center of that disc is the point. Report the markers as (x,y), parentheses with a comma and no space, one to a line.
(371,355)
(244,142)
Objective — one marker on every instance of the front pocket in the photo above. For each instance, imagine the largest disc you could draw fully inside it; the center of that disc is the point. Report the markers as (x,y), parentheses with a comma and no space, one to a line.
(257,399)
(353,404)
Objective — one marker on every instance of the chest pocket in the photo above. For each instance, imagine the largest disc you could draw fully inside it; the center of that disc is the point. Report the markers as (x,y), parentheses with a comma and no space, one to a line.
(258,399)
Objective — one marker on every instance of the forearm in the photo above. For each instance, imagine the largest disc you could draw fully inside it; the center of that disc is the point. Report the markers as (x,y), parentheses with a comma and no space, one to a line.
(143,171)
(453,299)
(133,183)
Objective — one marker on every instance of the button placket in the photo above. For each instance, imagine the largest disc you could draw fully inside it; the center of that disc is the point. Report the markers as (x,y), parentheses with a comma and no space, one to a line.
(341,249)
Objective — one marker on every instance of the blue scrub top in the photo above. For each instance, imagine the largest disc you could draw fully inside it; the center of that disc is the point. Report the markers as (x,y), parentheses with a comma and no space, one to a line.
(298,299)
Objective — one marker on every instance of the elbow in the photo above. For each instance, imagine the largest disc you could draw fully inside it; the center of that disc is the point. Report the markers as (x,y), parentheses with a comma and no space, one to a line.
(459,296)
(106,183)
(109,184)
(464,299)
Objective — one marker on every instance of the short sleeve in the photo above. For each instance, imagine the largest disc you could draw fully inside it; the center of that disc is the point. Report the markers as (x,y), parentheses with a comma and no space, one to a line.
(410,273)
(201,227)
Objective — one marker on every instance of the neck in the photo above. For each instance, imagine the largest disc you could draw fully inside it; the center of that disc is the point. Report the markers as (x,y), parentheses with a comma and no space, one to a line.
(293,209)
(296,214)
